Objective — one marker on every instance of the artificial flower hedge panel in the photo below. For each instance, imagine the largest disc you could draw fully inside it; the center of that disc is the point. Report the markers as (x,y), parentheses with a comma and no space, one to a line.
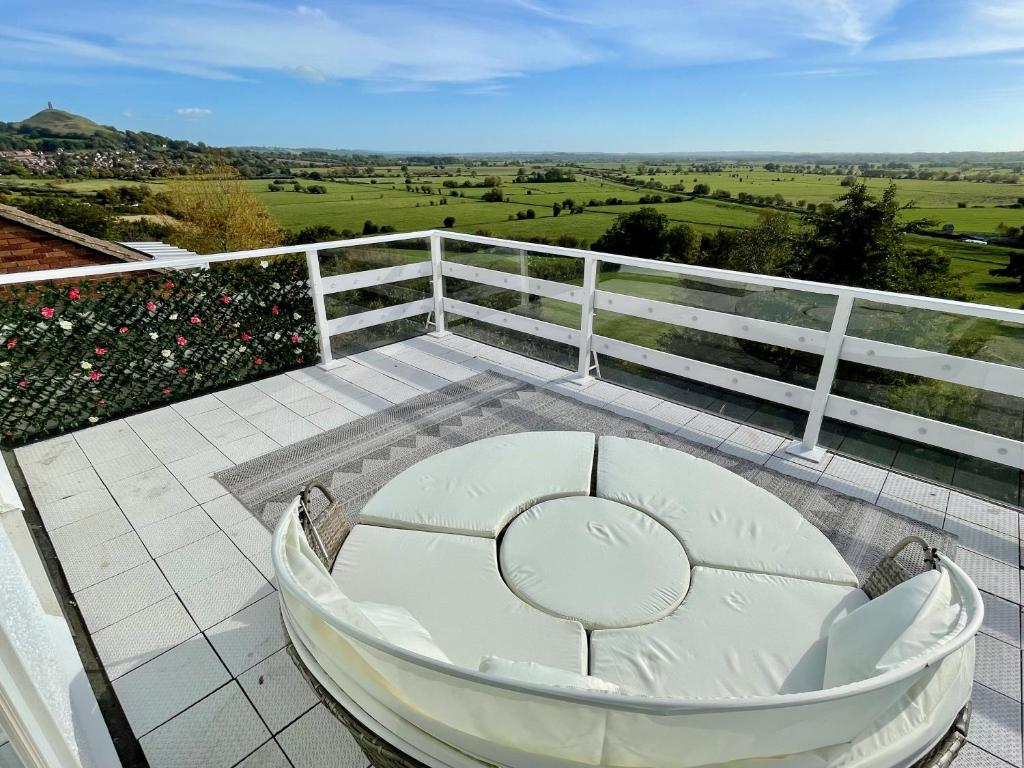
(74,354)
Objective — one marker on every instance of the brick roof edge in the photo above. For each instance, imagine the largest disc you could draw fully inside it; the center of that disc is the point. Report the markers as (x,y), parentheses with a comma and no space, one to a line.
(105,247)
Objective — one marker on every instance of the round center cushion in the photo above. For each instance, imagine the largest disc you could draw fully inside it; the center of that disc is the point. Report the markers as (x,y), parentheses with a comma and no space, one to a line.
(599,562)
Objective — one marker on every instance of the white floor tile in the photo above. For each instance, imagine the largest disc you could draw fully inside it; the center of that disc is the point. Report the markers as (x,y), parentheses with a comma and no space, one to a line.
(249,636)
(226,510)
(318,740)
(225,593)
(145,634)
(177,531)
(267,756)
(278,690)
(918,491)
(248,447)
(120,596)
(199,560)
(151,496)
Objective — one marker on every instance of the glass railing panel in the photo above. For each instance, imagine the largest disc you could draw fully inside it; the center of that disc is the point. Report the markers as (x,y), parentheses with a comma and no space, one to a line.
(527,345)
(360,258)
(515,302)
(78,352)
(559,269)
(977,338)
(780,305)
(781,364)
(373,297)
(353,342)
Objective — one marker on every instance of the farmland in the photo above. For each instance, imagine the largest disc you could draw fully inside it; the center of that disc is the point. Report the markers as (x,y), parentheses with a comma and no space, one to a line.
(414,197)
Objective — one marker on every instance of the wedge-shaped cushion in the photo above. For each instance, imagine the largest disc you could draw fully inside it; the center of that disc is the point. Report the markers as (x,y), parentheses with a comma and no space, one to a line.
(735,635)
(452,586)
(531,672)
(475,489)
(723,520)
(895,627)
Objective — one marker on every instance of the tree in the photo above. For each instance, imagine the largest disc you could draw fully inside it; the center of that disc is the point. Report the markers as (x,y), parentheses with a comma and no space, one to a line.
(683,244)
(530,213)
(449,222)
(219,214)
(555,209)
(493,195)
(638,233)
(89,218)
(318,233)
(1015,268)
(701,189)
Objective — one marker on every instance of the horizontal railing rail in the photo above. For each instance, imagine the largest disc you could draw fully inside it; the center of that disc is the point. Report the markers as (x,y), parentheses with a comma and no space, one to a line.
(588,291)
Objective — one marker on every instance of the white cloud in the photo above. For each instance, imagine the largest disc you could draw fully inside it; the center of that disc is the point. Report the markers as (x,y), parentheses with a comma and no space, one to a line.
(193,111)
(959,28)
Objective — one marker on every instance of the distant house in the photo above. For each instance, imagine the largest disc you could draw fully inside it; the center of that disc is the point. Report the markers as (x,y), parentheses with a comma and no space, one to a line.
(29,243)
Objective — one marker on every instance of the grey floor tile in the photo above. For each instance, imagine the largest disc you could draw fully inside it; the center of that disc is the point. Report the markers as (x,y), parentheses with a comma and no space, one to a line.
(996,724)
(278,690)
(972,756)
(202,464)
(54,487)
(248,447)
(249,636)
(176,442)
(217,732)
(912,510)
(247,399)
(88,531)
(226,510)
(199,560)
(7,757)
(309,404)
(985,541)
(177,531)
(981,512)
(253,538)
(222,595)
(318,740)
(221,426)
(158,690)
(854,478)
(92,564)
(109,441)
(793,469)
(333,417)
(990,575)
(269,755)
(712,425)
(139,460)
(918,491)
(1002,619)
(57,513)
(151,496)
(997,665)
(197,405)
(143,635)
(120,596)
(59,455)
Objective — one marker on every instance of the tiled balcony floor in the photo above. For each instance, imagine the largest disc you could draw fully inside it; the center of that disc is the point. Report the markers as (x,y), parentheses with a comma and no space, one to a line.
(174,582)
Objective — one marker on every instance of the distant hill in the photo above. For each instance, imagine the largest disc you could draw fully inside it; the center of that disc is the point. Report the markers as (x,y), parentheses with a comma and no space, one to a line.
(57,122)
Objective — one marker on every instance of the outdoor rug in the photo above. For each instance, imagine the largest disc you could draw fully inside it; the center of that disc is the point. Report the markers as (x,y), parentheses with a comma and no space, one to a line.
(356,459)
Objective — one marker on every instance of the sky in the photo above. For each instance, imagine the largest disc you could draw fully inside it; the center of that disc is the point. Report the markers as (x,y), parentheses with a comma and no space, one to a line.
(530,75)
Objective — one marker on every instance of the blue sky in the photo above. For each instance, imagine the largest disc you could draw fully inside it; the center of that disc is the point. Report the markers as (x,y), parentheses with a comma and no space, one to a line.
(530,75)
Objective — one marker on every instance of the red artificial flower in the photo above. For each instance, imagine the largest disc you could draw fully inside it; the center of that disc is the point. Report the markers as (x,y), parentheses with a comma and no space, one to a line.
(245,336)
(257,361)
(295,338)
(74,294)
(195,320)
(151,306)
(95,375)
(275,310)
(47,312)
(182,341)
(225,299)
(166,390)
(169,283)
(298,360)
(182,370)
(101,350)
(12,343)
(123,329)
(23,383)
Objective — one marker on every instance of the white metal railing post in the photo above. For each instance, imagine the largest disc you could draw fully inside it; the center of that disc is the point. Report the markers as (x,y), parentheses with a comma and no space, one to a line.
(437,259)
(316,293)
(583,368)
(807,447)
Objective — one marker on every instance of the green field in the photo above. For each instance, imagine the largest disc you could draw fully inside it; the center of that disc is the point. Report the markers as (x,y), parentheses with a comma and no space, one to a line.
(385,200)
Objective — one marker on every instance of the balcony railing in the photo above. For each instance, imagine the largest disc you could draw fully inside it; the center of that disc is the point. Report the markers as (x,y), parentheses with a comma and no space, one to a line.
(939,373)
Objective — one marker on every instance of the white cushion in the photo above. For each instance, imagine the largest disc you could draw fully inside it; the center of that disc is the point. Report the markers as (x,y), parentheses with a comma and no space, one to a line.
(723,520)
(452,586)
(531,672)
(401,628)
(735,635)
(596,561)
(906,621)
(475,489)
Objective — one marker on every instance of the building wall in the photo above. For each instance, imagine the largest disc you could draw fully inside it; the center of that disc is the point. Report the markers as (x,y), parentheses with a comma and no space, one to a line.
(23,249)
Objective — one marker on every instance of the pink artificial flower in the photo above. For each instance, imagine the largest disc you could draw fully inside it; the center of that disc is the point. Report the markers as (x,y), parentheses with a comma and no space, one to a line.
(151,306)
(95,375)
(74,294)
(23,383)
(182,341)
(166,390)
(195,320)
(295,338)
(245,336)
(12,343)
(101,351)
(47,312)
(275,310)
(182,370)
(169,283)
(225,299)
(257,361)
(123,329)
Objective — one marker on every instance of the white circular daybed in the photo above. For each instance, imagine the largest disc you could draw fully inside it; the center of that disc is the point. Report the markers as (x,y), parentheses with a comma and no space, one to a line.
(549,599)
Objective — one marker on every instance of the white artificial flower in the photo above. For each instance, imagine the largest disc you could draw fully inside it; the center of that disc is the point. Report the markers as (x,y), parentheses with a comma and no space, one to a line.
(166,353)
(154,335)
(298,350)
(297,316)
(65,325)
(5,364)
(174,316)
(264,264)
(277,337)
(275,286)
(93,419)
(237,325)
(86,365)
